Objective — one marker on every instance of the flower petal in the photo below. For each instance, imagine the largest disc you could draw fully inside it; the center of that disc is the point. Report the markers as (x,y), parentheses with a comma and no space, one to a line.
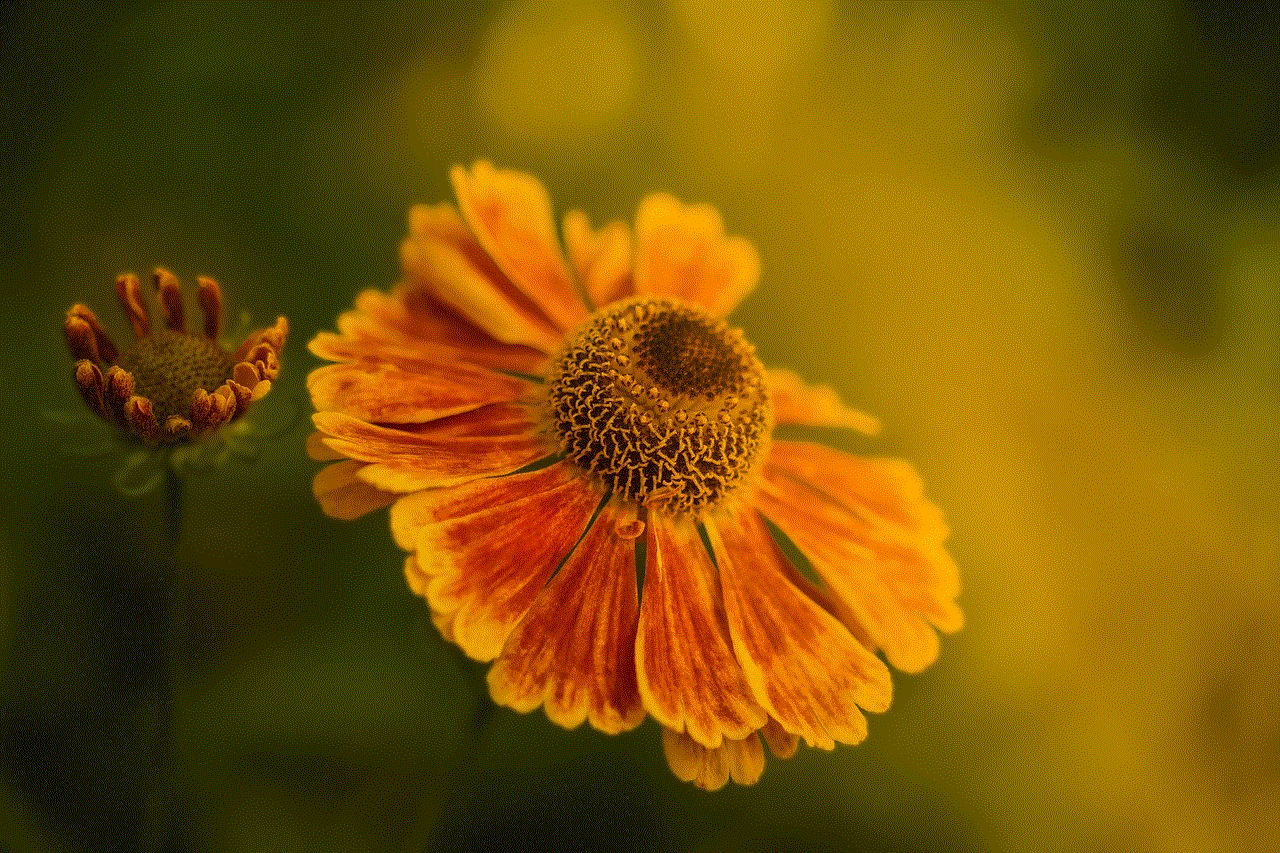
(319,451)
(510,215)
(441,255)
(383,393)
(804,667)
(796,402)
(490,546)
(709,769)
(418,581)
(682,251)
(342,494)
(493,440)
(412,512)
(689,679)
(894,585)
(602,258)
(781,743)
(574,651)
(409,326)
(889,489)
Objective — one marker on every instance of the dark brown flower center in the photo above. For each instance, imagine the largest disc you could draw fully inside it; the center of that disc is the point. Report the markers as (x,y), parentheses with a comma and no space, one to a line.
(665,404)
(169,367)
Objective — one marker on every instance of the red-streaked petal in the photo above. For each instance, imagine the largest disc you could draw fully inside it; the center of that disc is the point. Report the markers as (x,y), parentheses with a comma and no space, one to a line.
(887,488)
(382,393)
(796,402)
(895,586)
(804,667)
(682,251)
(488,566)
(412,512)
(441,255)
(601,258)
(510,215)
(441,453)
(409,326)
(342,494)
(689,679)
(709,769)
(574,651)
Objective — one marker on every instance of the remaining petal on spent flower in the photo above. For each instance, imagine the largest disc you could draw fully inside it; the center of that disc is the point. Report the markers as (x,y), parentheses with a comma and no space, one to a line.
(495,440)
(682,251)
(709,769)
(175,318)
(442,255)
(804,667)
(894,581)
(574,651)
(601,258)
(510,215)
(86,336)
(796,402)
(129,292)
(386,394)
(490,546)
(689,678)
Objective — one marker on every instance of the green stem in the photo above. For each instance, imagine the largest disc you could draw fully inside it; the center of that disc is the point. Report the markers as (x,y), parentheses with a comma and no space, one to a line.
(161,818)
(438,816)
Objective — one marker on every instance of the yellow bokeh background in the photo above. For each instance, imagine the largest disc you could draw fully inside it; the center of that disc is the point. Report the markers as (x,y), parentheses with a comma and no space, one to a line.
(1040,242)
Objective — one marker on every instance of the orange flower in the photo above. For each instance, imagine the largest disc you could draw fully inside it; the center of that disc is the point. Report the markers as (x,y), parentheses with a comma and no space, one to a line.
(170,385)
(532,449)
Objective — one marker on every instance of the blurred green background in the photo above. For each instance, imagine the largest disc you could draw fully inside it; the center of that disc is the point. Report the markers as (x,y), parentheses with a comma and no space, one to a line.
(1041,242)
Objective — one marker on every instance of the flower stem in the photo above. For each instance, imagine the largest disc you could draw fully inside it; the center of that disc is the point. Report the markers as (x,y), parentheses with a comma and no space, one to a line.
(161,819)
(438,817)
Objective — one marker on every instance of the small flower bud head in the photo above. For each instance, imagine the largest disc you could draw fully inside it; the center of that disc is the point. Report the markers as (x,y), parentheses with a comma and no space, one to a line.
(170,385)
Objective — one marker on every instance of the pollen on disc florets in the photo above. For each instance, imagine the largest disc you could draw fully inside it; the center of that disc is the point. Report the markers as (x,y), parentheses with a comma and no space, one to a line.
(667,405)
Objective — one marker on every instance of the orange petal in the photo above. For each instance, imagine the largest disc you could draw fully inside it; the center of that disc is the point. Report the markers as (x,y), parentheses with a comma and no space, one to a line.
(510,215)
(441,255)
(418,581)
(894,585)
(804,667)
(689,679)
(709,769)
(342,494)
(409,326)
(574,651)
(319,451)
(795,402)
(488,565)
(887,488)
(682,251)
(781,743)
(493,440)
(601,258)
(382,393)
(413,512)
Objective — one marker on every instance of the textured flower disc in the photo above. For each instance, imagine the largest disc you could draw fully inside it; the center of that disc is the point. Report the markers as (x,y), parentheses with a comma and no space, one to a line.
(665,404)
(168,367)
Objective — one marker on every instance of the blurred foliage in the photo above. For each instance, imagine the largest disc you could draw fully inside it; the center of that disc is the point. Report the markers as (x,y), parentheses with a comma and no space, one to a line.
(1040,241)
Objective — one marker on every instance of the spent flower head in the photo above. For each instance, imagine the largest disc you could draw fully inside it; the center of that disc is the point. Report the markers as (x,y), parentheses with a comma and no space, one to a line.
(170,388)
